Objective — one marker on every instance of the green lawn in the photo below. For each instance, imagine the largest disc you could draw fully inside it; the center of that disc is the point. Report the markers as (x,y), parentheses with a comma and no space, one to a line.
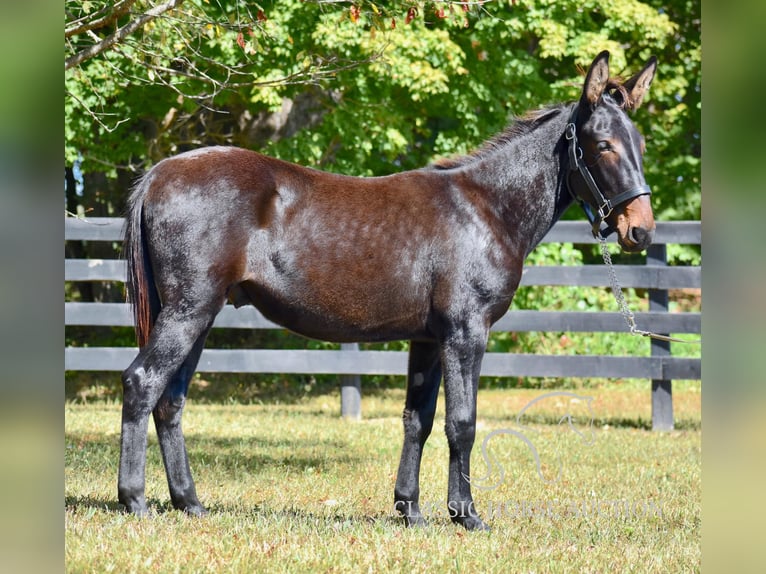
(292,488)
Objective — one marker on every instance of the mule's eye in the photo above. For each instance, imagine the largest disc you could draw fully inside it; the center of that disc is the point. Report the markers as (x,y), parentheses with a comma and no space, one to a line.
(603,146)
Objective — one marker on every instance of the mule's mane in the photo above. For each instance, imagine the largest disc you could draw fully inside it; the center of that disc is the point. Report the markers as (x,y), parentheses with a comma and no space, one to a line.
(519,126)
(619,94)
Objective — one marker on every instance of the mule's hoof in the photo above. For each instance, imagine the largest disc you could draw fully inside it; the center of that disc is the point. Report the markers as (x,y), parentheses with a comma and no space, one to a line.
(415,521)
(472,523)
(195,510)
(136,509)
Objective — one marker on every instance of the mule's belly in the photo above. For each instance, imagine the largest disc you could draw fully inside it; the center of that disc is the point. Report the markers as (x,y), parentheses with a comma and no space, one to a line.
(337,315)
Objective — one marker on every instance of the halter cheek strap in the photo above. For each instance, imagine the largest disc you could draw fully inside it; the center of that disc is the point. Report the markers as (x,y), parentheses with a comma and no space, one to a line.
(604,206)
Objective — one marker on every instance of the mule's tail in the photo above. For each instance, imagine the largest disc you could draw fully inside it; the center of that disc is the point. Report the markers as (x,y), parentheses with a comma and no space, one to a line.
(142,291)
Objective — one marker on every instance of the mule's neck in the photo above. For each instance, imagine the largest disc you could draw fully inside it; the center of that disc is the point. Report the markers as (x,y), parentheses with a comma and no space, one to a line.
(523,177)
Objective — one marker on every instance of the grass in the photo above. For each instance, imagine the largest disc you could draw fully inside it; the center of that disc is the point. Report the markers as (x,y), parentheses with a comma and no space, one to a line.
(293,488)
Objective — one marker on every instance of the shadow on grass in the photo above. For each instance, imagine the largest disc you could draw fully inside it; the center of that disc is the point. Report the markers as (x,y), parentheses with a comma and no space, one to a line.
(309,518)
(90,502)
(230,455)
(313,520)
(554,419)
(228,458)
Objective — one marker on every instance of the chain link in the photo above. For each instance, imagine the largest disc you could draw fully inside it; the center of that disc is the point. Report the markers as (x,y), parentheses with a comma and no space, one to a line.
(630,319)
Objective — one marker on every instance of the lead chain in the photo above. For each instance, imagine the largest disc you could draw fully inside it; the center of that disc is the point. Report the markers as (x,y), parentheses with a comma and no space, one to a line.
(617,290)
(620,298)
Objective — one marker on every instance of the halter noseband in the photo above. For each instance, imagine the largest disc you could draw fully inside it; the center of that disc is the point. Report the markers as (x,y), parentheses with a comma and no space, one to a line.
(604,206)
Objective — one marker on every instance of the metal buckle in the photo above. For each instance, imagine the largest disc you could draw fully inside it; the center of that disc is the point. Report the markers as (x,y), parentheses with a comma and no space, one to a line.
(601,213)
(570,132)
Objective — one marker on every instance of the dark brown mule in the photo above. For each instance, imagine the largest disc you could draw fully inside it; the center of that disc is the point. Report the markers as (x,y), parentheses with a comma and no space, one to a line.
(433,255)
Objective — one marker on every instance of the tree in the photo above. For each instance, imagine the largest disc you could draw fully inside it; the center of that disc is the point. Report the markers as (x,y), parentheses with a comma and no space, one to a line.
(364,87)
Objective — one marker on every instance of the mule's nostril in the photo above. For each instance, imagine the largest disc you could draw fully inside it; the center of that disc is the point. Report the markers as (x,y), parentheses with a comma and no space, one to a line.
(641,236)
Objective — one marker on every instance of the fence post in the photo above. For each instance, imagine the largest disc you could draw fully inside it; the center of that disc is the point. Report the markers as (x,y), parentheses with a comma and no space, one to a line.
(662,391)
(350,390)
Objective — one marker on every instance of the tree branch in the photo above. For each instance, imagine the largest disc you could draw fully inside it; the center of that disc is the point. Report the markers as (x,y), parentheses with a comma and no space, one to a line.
(83,25)
(120,34)
(95,115)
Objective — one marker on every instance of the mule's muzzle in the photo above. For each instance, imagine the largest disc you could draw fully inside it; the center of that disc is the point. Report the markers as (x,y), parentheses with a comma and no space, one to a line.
(641,236)
(636,239)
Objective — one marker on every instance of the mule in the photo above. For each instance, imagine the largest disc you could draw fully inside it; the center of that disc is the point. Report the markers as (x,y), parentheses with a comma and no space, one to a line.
(432,255)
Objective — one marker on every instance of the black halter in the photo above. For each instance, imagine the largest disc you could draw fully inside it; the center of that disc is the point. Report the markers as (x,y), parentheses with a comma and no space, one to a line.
(603,206)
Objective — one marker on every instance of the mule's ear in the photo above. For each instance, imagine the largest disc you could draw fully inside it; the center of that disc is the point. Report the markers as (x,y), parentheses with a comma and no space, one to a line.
(596,79)
(638,85)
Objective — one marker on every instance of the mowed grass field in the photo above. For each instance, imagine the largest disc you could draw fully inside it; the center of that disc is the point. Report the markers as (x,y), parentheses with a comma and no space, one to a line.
(294,488)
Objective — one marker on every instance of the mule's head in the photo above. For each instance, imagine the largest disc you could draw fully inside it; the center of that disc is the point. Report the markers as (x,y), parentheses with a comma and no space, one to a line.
(606,148)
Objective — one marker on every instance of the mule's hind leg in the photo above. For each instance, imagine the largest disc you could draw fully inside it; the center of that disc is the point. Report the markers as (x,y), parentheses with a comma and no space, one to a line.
(423,377)
(173,338)
(167,420)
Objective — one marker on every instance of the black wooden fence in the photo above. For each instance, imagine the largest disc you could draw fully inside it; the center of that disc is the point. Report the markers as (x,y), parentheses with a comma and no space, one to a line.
(350,362)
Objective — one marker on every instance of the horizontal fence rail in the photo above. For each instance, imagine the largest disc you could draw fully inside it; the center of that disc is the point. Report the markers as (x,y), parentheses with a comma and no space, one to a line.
(655,276)
(394,363)
(120,315)
(581,276)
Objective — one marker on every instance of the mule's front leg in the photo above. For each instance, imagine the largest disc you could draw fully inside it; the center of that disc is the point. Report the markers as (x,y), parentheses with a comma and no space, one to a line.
(462,353)
(423,378)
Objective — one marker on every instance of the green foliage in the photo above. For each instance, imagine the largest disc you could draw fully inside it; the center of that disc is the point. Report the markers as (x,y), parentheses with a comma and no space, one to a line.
(381,87)
(396,84)
(545,298)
